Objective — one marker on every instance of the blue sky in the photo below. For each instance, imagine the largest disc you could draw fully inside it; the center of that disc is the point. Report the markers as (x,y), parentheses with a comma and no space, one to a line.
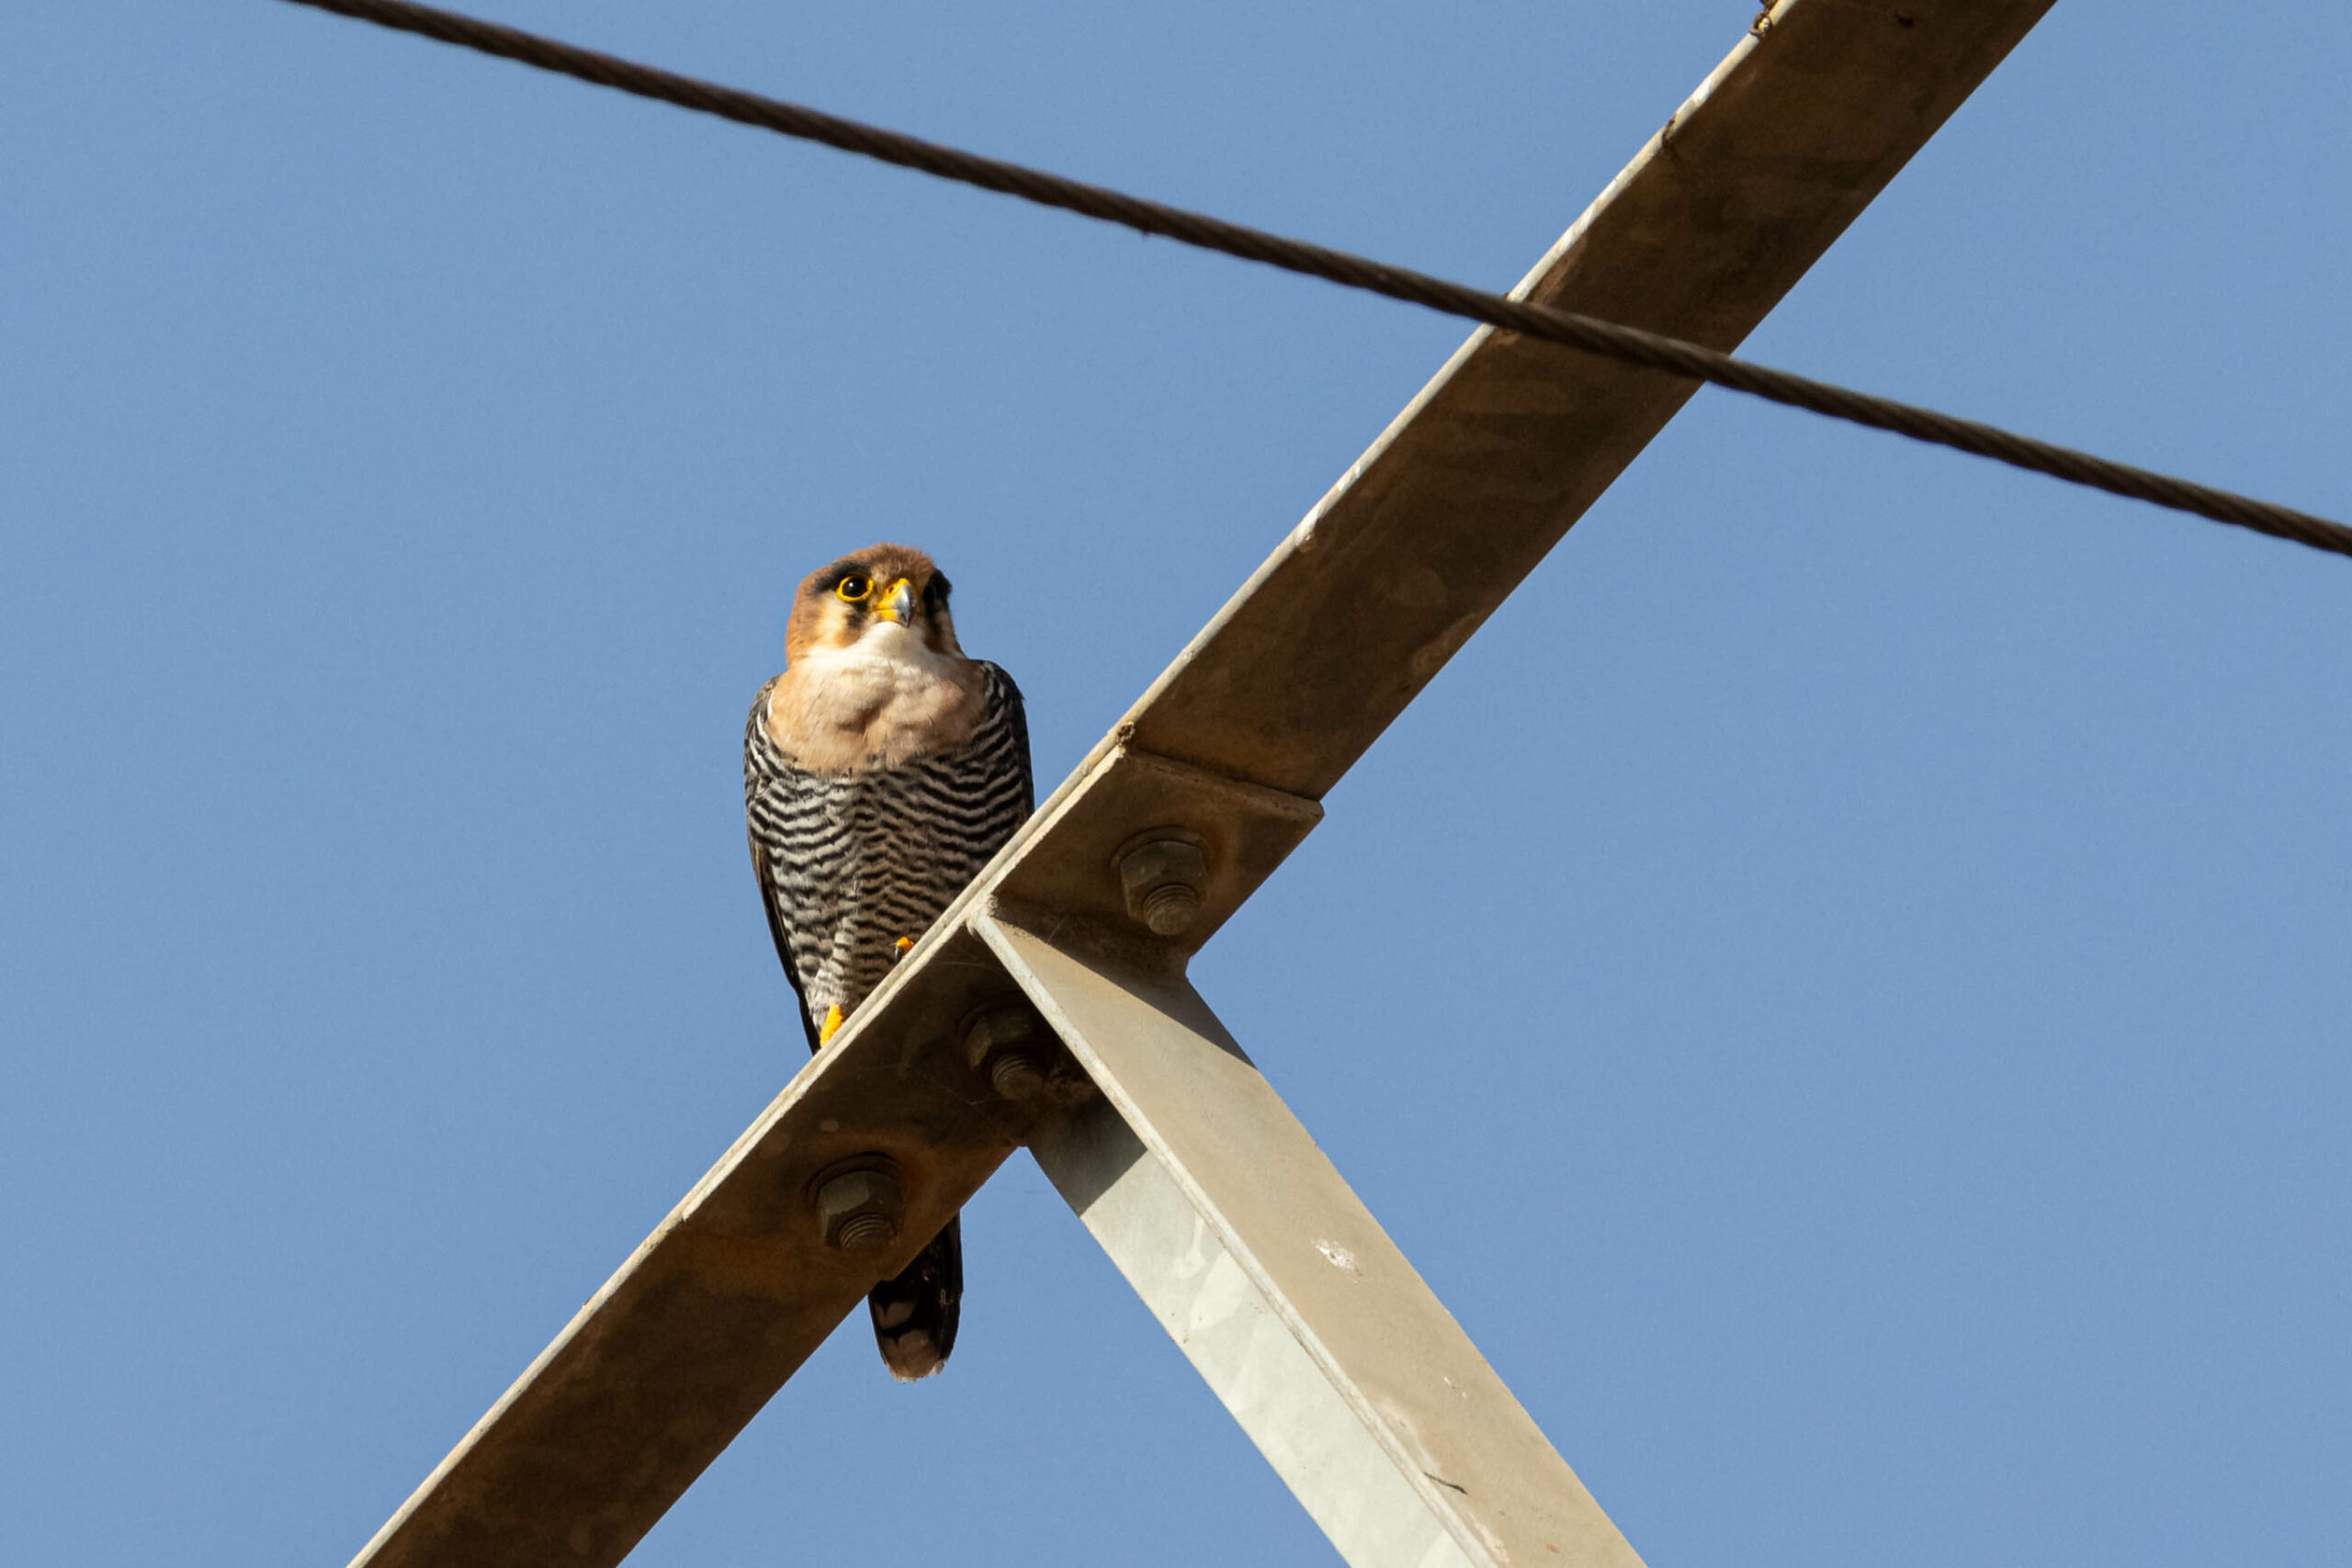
(1841,987)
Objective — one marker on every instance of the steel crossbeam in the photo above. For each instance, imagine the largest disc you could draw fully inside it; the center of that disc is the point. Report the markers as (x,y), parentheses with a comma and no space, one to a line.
(1287,1295)
(1330,1351)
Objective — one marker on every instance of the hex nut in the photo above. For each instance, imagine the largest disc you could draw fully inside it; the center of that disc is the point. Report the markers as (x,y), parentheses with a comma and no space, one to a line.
(1009,1044)
(1164,874)
(999,1026)
(860,1208)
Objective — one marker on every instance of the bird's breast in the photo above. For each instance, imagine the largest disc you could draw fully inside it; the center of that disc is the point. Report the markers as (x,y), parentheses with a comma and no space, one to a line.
(848,714)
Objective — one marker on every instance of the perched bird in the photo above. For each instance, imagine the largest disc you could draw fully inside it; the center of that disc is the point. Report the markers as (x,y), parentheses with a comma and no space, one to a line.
(881,771)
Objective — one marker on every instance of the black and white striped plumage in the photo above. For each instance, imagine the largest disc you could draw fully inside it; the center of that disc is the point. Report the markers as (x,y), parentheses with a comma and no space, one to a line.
(881,771)
(849,862)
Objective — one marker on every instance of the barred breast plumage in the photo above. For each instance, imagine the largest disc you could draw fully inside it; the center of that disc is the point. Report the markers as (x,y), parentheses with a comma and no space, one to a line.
(854,862)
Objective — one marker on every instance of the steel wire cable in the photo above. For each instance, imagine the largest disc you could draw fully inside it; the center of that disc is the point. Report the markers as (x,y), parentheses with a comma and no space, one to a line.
(1628,345)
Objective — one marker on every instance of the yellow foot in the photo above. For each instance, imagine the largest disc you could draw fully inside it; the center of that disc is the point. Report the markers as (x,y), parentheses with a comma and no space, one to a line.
(898,948)
(830,1027)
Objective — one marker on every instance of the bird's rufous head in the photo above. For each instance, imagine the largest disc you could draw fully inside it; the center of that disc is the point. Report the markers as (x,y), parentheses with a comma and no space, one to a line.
(873,597)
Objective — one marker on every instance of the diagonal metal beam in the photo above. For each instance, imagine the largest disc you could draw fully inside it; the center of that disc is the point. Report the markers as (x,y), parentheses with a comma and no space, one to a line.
(731,1292)
(1236,743)
(1283,1291)
(1744,188)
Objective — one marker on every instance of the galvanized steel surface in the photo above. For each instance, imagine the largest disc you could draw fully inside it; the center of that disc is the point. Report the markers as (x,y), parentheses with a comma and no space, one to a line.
(1283,1292)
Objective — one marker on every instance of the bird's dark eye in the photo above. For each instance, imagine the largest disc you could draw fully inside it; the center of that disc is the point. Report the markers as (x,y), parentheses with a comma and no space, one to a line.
(854,588)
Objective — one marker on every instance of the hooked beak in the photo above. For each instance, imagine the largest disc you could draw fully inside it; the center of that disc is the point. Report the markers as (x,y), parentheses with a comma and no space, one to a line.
(898,604)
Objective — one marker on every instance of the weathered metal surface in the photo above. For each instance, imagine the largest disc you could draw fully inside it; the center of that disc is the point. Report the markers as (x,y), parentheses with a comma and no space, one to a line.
(1720,215)
(1287,1295)
(725,1299)
(1071,859)
(1359,607)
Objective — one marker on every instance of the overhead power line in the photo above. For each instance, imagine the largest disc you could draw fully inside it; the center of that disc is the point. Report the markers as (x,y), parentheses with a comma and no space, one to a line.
(1628,345)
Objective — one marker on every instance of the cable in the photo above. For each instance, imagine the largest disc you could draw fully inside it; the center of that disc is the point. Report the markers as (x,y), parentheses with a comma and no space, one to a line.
(1627,344)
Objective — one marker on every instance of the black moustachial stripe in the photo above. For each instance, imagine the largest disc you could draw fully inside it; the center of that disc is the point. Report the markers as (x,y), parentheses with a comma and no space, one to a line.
(849,863)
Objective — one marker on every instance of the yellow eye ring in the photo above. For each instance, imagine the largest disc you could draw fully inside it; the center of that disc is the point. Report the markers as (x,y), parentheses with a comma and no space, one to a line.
(855,588)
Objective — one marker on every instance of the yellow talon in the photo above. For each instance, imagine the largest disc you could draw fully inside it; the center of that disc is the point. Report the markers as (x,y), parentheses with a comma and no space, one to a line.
(830,1027)
(903,944)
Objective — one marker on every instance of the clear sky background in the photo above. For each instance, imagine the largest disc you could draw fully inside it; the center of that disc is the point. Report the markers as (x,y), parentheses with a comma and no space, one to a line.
(1842,987)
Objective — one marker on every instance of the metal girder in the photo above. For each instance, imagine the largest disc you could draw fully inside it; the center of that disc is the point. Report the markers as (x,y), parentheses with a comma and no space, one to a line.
(1747,183)
(1753,177)
(723,1301)
(1285,1292)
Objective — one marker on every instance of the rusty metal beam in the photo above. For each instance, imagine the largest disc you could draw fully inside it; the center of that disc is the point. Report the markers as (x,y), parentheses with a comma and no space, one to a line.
(1235,744)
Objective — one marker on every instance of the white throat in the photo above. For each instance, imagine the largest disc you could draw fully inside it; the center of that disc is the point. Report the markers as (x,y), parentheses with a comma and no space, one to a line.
(885,657)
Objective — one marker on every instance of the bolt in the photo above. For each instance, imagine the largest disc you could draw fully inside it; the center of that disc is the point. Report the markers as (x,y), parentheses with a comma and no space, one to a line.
(860,1206)
(1010,1045)
(1169,908)
(865,1233)
(1163,875)
(1016,1075)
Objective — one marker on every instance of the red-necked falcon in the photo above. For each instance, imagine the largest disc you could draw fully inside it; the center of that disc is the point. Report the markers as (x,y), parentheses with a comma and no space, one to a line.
(881,771)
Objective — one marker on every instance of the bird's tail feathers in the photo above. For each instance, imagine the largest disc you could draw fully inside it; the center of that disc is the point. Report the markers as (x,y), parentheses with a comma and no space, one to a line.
(915,1314)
